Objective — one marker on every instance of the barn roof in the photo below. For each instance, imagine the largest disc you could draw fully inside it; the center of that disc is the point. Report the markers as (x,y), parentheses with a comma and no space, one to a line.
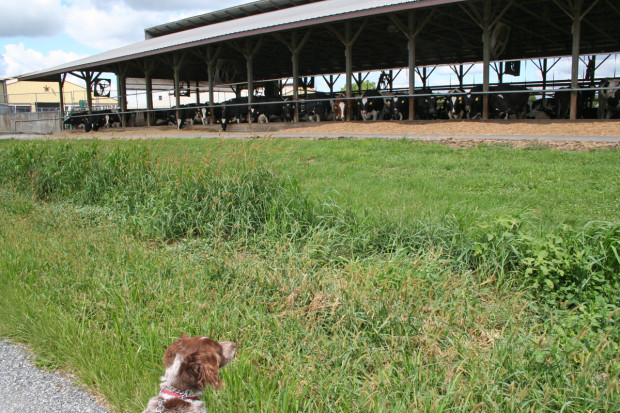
(231,13)
(451,35)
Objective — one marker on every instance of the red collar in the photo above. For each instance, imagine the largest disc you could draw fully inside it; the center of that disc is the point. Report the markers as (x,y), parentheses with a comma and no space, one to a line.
(168,394)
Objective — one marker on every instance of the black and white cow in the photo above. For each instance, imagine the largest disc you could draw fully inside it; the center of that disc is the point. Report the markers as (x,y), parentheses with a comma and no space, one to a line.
(93,121)
(458,103)
(542,109)
(266,109)
(400,108)
(424,106)
(501,105)
(316,108)
(609,99)
(515,101)
(443,106)
(188,115)
(563,101)
(371,105)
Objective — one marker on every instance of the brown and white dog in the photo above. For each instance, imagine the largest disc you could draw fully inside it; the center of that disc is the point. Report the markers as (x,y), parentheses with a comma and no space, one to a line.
(191,364)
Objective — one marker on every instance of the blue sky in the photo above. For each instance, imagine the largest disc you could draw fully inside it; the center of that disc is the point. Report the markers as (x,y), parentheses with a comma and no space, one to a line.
(38,34)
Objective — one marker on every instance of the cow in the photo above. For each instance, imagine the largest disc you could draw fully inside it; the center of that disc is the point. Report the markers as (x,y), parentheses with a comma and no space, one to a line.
(164,117)
(424,106)
(92,121)
(341,107)
(371,105)
(458,103)
(233,110)
(542,109)
(316,107)
(266,109)
(609,99)
(400,108)
(501,105)
(514,103)
(563,101)
(188,115)
(388,109)
(442,106)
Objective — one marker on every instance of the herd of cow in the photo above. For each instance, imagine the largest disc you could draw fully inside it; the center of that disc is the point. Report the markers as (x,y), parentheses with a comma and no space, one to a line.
(505,102)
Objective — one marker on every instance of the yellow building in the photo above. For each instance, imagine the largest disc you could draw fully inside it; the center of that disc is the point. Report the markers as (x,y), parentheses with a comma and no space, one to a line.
(29,96)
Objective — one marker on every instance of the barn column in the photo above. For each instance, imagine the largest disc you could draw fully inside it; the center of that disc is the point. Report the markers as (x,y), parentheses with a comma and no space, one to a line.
(295,46)
(147,69)
(209,56)
(61,84)
(486,57)
(88,78)
(573,10)
(348,40)
(211,79)
(177,64)
(574,77)
(249,51)
(411,60)
(411,33)
(348,55)
(121,80)
(148,81)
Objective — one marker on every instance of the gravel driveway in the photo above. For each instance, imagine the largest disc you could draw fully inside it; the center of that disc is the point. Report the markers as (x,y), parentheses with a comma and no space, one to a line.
(27,389)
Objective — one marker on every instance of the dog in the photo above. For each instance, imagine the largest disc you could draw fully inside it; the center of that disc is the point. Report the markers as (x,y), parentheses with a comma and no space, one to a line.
(191,364)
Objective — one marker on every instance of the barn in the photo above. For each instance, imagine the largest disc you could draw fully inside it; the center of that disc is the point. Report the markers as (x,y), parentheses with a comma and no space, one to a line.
(258,44)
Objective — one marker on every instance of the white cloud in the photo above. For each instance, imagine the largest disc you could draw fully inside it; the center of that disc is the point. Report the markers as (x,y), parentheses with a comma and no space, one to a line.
(17,59)
(112,24)
(158,5)
(31,18)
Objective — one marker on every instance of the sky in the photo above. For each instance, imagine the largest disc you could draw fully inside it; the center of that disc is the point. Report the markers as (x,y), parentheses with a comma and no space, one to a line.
(39,34)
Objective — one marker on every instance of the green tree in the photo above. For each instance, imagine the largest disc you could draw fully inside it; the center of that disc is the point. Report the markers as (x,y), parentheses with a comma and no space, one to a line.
(366,85)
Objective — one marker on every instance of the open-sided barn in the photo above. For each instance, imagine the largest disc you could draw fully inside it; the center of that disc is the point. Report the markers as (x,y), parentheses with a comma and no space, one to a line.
(273,39)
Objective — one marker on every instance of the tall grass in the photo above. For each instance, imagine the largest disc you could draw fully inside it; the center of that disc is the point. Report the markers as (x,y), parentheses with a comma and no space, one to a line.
(342,311)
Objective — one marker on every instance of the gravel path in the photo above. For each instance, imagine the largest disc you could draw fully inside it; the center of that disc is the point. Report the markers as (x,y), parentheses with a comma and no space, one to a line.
(26,389)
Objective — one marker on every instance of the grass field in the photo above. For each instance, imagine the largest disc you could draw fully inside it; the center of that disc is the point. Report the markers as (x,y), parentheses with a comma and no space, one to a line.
(354,275)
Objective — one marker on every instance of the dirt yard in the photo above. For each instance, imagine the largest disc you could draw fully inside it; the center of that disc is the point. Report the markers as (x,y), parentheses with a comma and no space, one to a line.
(557,134)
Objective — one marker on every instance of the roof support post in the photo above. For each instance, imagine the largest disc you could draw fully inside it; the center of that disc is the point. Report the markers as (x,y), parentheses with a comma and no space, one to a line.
(411,32)
(574,81)
(486,56)
(121,81)
(249,51)
(573,10)
(88,78)
(210,58)
(211,79)
(348,40)
(61,84)
(177,63)
(295,46)
(147,68)
(148,81)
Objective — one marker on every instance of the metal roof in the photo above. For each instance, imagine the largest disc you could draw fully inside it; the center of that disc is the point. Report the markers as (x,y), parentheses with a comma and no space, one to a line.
(531,29)
(227,30)
(231,13)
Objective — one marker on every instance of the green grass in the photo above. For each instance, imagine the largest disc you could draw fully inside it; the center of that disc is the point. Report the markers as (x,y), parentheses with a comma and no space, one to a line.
(340,295)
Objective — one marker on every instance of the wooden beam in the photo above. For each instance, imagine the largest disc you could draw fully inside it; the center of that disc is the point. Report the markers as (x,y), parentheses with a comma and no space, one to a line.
(486,57)
(574,83)
(61,84)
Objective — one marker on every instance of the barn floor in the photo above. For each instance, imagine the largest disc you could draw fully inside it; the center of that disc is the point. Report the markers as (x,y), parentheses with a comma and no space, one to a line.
(560,134)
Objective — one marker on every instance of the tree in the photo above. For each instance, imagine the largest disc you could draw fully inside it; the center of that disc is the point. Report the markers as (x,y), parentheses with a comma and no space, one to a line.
(366,85)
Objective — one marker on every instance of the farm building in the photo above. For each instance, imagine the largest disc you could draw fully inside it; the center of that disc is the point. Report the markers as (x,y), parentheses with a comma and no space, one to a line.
(253,48)
(32,96)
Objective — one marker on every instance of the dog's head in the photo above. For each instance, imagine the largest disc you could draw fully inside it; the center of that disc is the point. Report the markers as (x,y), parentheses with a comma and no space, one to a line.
(193,362)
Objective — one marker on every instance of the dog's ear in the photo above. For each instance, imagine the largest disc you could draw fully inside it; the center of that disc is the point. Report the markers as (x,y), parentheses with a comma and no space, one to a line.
(202,369)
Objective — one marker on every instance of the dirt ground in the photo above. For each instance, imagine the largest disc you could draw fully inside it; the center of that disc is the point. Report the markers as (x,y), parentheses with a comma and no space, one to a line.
(557,134)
